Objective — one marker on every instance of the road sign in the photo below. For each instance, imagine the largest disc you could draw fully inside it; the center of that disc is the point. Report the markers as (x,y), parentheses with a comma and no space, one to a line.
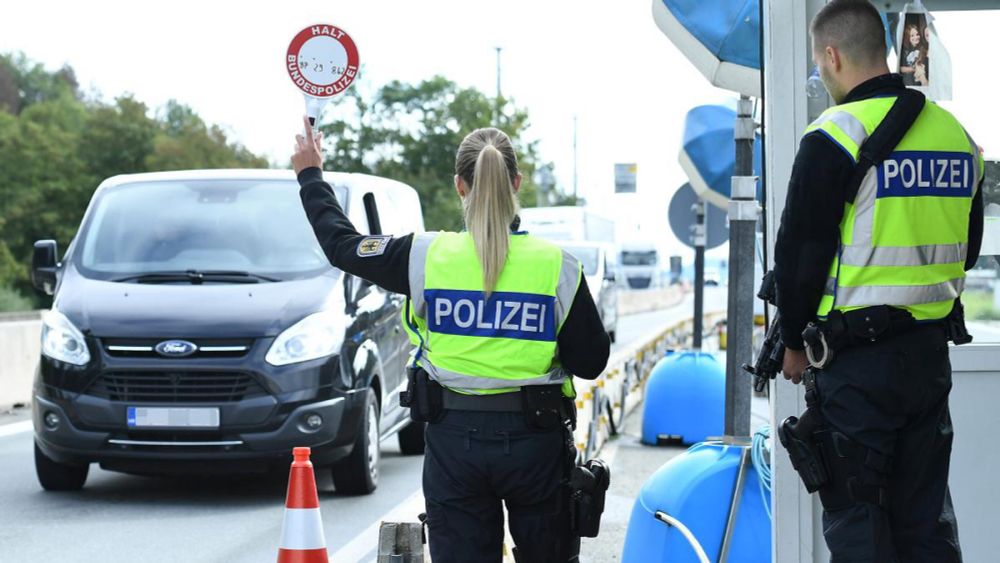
(322,61)
(708,153)
(682,219)
(625,178)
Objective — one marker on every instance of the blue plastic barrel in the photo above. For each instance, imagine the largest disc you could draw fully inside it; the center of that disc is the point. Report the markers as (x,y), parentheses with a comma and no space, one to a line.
(696,488)
(685,399)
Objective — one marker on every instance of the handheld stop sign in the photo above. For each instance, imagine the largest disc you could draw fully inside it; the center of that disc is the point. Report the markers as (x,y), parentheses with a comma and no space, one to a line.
(322,61)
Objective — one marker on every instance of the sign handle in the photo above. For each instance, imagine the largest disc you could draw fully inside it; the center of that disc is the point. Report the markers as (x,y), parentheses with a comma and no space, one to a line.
(314,109)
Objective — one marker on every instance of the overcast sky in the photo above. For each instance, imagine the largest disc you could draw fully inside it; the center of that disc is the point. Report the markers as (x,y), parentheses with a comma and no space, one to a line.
(605,62)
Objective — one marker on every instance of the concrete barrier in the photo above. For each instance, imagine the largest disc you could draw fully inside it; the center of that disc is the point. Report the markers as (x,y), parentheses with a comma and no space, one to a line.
(644,300)
(20,346)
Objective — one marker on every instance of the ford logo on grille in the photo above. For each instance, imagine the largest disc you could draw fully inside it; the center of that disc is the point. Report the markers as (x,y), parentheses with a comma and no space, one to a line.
(176,348)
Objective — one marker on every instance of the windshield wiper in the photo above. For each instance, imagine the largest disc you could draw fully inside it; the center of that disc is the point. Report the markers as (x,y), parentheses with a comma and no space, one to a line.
(197,277)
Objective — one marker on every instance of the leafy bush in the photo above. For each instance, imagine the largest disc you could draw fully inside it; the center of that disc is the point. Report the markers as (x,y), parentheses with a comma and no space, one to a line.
(12,300)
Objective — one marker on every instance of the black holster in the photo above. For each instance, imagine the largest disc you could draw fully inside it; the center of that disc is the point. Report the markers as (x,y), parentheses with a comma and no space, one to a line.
(588,486)
(798,436)
(423,396)
(545,407)
(954,325)
(843,471)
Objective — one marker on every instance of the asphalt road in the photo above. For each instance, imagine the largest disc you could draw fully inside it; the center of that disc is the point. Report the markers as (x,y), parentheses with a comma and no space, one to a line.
(127,518)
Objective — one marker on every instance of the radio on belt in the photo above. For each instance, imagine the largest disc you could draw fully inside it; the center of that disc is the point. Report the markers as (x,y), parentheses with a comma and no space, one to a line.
(322,61)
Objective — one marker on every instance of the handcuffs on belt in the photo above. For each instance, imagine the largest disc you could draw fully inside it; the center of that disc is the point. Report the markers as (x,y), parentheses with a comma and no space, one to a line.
(814,337)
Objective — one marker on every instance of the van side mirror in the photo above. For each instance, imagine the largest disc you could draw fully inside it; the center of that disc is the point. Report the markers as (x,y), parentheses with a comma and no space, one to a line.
(609,275)
(44,266)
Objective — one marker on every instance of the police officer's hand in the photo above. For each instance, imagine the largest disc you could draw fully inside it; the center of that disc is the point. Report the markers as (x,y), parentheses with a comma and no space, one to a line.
(308,149)
(794,364)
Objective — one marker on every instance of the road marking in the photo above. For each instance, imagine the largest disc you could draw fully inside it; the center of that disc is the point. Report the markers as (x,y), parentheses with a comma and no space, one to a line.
(15,428)
(365,543)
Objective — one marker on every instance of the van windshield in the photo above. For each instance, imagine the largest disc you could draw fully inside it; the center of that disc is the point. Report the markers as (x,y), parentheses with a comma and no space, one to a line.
(638,258)
(250,226)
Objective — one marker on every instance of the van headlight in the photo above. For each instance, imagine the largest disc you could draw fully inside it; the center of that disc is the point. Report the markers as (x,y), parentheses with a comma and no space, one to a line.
(62,341)
(316,336)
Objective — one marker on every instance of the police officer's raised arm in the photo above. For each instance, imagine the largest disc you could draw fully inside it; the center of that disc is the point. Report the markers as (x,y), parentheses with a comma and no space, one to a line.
(382,259)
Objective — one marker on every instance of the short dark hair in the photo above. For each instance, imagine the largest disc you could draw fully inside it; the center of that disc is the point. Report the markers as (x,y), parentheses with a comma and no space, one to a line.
(852,26)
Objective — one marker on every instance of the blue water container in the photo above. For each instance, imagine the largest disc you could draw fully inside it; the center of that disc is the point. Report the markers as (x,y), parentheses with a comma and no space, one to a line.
(685,399)
(696,488)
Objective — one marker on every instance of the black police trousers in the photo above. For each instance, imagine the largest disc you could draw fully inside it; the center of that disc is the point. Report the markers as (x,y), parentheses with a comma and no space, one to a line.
(476,460)
(892,396)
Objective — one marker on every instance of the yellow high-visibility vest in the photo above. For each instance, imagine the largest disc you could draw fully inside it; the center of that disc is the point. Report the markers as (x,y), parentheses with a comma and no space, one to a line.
(472,343)
(904,238)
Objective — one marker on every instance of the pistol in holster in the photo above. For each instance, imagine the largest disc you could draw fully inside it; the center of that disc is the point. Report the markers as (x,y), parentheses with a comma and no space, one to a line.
(798,436)
(588,487)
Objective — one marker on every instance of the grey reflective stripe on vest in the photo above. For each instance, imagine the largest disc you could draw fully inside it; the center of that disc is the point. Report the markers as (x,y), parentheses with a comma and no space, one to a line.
(975,161)
(418,263)
(870,295)
(569,282)
(864,209)
(850,125)
(864,255)
(831,286)
(457,380)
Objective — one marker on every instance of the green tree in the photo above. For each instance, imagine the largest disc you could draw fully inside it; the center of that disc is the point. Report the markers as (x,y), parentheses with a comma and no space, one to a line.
(23,83)
(185,141)
(118,138)
(56,147)
(410,132)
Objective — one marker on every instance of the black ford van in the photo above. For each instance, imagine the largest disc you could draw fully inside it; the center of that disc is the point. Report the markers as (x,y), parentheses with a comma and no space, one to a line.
(197,326)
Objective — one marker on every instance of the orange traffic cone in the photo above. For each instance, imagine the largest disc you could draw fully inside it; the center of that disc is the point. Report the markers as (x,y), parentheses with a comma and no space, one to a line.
(302,538)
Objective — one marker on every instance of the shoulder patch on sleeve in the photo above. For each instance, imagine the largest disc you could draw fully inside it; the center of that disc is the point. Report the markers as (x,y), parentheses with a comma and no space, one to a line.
(373,246)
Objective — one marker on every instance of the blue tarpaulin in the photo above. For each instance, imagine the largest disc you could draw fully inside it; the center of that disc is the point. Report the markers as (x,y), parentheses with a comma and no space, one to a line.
(708,152)
(720,37)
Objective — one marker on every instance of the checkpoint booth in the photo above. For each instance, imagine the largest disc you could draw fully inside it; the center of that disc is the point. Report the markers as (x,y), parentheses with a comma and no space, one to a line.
(797,533)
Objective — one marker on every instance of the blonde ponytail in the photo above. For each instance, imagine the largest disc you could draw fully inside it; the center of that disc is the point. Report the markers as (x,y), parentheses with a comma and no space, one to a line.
(490,205)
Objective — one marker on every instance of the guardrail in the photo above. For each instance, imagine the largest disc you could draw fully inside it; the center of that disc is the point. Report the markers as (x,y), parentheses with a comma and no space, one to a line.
(603,404)
(20,348)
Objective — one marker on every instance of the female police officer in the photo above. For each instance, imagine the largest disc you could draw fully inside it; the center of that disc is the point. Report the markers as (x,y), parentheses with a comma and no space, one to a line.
(501,321)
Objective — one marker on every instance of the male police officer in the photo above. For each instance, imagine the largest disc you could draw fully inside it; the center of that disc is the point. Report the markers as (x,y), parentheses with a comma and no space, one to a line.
(876,250)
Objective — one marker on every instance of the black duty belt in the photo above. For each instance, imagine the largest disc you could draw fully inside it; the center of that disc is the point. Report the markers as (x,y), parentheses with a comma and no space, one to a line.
(499,402)
(842,330)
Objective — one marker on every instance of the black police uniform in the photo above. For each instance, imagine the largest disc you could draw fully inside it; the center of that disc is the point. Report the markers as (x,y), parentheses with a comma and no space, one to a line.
(889,397)
(474,460)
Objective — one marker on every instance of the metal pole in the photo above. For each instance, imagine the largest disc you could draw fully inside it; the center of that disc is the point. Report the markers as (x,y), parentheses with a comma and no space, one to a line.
(734,506)
(743,211)
(699,272)
(574,161)
(498,85)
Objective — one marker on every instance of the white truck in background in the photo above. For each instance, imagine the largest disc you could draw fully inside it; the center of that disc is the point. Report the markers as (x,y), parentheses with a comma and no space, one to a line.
(639,264)
(563,223)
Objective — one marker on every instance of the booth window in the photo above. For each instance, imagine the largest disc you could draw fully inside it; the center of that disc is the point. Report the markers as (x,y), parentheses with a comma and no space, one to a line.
(982,284)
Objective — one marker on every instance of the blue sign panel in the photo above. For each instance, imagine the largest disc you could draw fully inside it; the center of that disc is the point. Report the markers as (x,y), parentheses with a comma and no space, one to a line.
(524,316)
(926,173)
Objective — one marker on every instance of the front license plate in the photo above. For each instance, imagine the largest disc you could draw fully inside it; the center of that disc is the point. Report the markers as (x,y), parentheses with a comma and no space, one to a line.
(155,417)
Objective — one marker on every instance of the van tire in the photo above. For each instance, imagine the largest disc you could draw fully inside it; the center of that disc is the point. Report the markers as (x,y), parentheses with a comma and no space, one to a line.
(357,474)
(55,476)
(411,438)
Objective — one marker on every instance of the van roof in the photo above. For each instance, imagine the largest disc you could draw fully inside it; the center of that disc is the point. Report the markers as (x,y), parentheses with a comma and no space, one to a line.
(240,174)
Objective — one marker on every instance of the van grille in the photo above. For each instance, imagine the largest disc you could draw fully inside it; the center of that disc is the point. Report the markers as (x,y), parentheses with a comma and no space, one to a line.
(175,386)
(207,348)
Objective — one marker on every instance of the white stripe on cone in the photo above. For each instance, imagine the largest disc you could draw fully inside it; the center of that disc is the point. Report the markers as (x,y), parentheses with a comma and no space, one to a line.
(302,529)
